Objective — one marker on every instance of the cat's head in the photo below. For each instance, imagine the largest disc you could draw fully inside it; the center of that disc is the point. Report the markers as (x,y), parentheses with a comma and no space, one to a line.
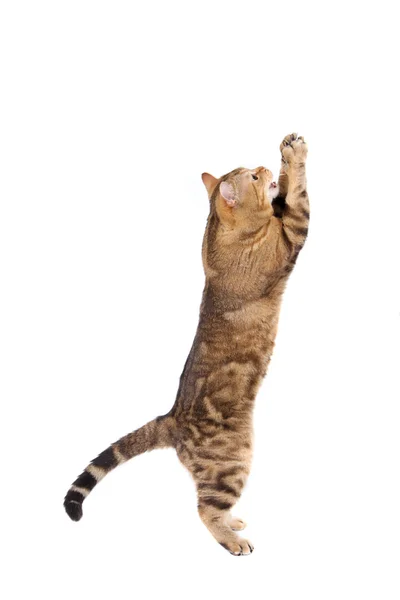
(242,199)
(240,204)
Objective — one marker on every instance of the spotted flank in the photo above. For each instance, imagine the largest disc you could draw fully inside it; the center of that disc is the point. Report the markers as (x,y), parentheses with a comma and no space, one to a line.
(255,231)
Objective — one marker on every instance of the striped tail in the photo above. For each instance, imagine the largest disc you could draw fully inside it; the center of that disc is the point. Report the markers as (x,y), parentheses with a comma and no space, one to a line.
(158,433)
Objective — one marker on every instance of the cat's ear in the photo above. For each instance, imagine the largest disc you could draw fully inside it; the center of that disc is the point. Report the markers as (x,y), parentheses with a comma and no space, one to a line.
(228,193)
(210,182)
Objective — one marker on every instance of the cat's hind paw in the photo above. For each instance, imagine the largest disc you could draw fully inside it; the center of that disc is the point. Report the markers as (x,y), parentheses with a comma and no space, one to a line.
(236,524)
(240,547)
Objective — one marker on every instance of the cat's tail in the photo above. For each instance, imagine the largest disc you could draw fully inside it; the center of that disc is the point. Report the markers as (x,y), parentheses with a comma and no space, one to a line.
(159,433)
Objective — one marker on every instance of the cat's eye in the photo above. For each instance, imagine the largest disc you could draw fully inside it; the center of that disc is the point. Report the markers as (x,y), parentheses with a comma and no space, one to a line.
(254,177)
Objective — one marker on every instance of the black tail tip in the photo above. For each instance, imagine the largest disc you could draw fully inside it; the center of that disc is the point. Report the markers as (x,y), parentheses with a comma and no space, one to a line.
(73,504)
(73,509)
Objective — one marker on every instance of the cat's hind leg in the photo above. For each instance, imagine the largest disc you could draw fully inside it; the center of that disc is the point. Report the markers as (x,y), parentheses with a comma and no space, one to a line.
(216,497)
(217,520)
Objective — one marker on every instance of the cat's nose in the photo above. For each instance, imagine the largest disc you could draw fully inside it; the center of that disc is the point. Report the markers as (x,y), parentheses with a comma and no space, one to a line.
(264,170)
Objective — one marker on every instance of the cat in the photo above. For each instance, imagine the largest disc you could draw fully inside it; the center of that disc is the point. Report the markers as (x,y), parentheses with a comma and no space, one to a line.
(255,231)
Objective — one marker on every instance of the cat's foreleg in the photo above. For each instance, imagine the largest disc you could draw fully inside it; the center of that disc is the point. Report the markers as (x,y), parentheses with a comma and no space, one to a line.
(296,213)
(283,180)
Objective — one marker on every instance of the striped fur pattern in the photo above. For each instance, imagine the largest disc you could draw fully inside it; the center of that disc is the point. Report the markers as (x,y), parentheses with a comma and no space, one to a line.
(254,233)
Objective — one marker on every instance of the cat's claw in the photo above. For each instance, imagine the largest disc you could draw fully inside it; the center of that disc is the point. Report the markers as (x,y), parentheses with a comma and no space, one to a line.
(287,140)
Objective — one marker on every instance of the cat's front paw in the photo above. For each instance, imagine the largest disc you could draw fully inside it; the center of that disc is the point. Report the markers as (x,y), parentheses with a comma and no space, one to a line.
(293,149)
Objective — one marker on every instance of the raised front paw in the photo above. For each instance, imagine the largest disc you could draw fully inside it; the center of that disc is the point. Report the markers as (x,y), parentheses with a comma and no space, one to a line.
(293,149)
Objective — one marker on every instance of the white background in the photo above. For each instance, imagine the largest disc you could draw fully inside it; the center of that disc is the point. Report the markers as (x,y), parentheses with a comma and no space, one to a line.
(110,111)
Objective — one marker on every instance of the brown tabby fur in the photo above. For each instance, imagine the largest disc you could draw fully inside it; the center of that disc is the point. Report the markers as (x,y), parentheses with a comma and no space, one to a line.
(250,247)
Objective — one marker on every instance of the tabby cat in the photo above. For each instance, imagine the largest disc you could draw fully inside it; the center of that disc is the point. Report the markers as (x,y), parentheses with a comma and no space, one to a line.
(255,231)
